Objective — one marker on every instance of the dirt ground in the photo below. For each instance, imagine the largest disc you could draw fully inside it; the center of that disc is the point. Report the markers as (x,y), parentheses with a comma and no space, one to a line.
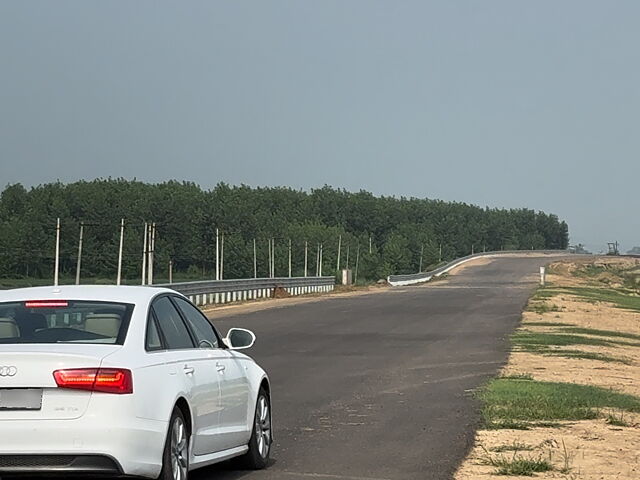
(588,450)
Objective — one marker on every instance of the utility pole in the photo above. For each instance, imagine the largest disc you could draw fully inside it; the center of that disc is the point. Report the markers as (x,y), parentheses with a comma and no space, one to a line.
(145,253)
(217,254)
(119,279)
(321,248)
(421,256)
(318,261)
(369,244)
(440,257)
(273,258)
(255,260)
(289,258)
(56,269)
(222,256)
(472,249)
(338,260)
(270,275)
(152,252)
(170,272)
(347,259)
(306,253)
(78,265)
(355,276)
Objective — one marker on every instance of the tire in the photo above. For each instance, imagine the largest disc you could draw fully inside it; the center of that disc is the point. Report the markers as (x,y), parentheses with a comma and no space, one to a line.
(175,458)
(257,457)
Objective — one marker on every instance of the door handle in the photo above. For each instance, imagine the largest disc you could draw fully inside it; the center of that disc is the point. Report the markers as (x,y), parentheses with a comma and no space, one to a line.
(221,367)
(189,370)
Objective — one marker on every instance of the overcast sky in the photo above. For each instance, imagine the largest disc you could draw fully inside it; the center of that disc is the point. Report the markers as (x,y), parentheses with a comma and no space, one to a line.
(502,103)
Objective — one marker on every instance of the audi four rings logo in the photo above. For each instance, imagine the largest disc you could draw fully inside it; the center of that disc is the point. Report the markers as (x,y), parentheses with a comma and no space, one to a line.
(8,371)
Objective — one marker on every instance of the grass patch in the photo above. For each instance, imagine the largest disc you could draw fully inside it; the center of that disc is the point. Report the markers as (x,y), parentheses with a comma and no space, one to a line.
(601,333)
(617,419)
(518,465)
(587,356)
(518,401)
(547,324)
(532,340)
(542,307)
(621,298)
(512,447)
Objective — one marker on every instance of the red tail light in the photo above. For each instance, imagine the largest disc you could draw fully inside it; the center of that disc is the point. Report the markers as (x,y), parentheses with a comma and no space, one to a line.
(106,380)
(46,304)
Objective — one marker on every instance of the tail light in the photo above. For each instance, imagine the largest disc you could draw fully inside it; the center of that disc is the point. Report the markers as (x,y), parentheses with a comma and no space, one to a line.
(106,380)
(46,304)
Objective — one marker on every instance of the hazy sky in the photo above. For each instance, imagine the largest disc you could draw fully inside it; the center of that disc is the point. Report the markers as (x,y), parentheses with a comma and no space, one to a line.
(501,103)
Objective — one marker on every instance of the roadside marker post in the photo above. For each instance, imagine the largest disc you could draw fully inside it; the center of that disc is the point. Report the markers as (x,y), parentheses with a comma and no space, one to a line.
(543,276)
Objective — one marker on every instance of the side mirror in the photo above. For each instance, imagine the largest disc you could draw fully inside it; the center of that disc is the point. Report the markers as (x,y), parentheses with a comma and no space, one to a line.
(239,339)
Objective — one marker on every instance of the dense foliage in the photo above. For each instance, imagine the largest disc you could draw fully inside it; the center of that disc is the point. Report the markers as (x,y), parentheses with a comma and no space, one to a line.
(187,216)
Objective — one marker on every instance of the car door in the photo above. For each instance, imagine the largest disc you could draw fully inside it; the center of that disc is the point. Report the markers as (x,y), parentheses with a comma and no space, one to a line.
(196,368)
(235,426)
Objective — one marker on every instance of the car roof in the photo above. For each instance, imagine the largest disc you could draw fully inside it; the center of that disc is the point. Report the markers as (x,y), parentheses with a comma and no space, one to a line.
(105,293)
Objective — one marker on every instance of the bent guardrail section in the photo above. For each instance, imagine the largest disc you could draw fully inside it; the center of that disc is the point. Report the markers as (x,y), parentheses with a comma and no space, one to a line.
(414,278)
(224,291)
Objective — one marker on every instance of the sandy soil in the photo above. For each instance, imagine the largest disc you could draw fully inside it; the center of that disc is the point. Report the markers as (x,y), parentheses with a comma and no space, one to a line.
(594,449)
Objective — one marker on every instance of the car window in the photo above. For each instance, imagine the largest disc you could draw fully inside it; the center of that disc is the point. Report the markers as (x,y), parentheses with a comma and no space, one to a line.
(153,341)
(201,327)
(173,328)
(64,321)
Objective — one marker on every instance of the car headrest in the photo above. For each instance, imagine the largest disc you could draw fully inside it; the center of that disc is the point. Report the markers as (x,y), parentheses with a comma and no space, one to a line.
(105,324)
(9,328)
(35,321)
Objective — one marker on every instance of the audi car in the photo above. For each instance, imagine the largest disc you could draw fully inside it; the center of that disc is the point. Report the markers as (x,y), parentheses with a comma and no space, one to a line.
(124,381)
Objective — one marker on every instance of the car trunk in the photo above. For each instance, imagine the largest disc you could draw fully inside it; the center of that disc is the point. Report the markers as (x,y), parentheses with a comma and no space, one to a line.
(28,390)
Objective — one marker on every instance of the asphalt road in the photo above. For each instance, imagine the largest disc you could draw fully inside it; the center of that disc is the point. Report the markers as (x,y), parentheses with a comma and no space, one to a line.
(380,386)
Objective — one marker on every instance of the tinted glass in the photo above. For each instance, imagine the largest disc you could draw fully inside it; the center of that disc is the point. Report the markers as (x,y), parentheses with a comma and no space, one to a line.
(199,324)
(153,337)
(64,321)
(173,328)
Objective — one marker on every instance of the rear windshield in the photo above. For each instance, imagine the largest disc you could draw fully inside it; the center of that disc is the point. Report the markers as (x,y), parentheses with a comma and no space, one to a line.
(64,321)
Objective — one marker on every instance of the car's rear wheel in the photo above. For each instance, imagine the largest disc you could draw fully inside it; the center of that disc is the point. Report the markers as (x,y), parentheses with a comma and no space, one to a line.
(175,458)
(260,443)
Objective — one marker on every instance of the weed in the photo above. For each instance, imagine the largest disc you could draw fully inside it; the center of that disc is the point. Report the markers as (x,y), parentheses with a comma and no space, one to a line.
(616,419)
(517,464)
(567,459)
(512,447)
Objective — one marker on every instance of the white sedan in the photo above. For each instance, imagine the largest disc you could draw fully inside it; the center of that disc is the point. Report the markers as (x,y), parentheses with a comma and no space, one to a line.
(124,381)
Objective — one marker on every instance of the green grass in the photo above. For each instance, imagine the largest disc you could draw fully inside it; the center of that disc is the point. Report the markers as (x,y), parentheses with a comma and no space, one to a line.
(512,447)
(617,420)
(601,333)
(586,355)
(518,465)
(532,340)
(511,401)
(621,298)
(542,307)
(547,324)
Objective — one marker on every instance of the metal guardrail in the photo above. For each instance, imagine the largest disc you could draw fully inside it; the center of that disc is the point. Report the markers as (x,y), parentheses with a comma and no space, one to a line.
(225,291)
(410,279)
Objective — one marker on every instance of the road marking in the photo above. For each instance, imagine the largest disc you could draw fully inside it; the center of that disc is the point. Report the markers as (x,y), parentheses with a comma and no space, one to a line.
(326,475)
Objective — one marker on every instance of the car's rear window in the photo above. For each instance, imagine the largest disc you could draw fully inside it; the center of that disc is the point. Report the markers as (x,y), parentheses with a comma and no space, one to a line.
(64,321)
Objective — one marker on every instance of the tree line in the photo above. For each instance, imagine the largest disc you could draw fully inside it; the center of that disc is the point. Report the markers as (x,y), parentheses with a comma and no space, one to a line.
(388,235)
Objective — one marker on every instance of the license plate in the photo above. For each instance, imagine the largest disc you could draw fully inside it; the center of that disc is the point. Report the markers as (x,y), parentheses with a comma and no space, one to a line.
(21,399)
